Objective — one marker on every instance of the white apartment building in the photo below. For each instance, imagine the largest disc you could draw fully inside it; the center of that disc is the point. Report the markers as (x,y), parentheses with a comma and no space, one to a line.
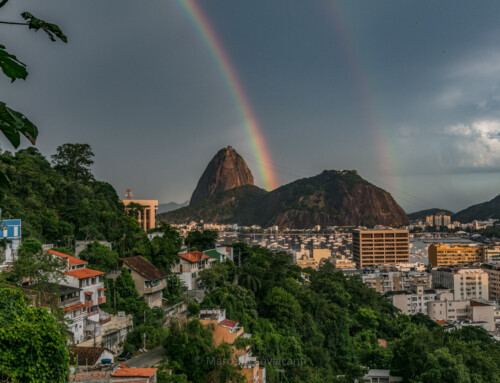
(83,307)
(466,283)
(493,271)
(415,301)
(472,311)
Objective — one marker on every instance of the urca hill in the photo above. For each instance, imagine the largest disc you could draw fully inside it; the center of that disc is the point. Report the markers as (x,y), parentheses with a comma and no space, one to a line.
(225,194)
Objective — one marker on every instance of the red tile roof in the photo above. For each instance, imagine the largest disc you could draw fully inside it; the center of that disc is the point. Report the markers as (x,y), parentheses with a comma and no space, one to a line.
(83,273)
(229,323)
(135,372)
(88,292)
(86,355)
(72,260)
(101,289)
(476,303)
(145,268)
(194,256)
(74,307)
(441,322)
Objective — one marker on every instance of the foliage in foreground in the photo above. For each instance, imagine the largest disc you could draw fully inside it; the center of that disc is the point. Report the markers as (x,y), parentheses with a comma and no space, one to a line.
(32,345)
(328,330)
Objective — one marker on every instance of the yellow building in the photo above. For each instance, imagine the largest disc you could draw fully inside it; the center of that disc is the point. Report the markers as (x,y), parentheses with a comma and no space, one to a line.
(319,254)
(380,246)
(147,218)
(454,254)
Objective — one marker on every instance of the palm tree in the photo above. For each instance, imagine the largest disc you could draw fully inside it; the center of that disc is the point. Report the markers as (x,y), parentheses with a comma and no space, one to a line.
(249,278)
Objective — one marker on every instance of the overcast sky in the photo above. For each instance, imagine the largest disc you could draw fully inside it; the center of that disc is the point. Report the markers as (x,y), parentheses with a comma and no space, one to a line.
(407,93)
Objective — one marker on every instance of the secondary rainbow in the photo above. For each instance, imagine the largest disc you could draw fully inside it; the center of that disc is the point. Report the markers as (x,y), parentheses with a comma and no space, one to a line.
(385,148)
(228,73)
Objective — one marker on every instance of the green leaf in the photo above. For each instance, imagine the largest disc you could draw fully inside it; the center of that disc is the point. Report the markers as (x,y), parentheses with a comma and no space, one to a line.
(3,2)
(4,180)
(13,124)
(11,66)
(50,29)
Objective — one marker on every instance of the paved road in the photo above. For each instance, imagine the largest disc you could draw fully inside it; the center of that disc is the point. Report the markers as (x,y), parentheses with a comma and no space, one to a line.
(148,359)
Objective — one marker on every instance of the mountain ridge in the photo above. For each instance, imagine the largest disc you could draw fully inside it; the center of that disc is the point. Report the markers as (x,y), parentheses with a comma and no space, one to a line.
(331,198)
(482,211)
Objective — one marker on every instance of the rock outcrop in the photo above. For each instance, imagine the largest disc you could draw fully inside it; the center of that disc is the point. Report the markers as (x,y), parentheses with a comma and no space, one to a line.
(332,198)
(225,171)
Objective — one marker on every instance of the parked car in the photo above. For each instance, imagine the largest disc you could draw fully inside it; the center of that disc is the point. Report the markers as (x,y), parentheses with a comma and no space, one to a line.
(124,356)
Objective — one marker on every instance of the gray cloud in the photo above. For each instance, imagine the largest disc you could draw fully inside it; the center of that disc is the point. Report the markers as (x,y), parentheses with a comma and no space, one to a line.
(137,83)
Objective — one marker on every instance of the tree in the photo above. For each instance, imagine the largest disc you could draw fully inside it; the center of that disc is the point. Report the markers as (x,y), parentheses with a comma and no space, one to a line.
(164,249)
(201,240)
(174,290)
(217,275)
(32,345)
(13,124)
(42,269)
(249,277)
(100,257)
(74,161)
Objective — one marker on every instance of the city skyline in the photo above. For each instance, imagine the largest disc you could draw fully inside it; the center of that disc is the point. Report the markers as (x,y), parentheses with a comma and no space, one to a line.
(405,94)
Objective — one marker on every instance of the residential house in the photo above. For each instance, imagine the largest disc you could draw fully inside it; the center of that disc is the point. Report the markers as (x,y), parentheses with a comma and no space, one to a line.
(149,280)
(89,356)
(92,294)
(66,298)
(10,230)
(380,376)
(115,374)
(112,332)
(219,256)
(127,374)
(227,331)
(189,267)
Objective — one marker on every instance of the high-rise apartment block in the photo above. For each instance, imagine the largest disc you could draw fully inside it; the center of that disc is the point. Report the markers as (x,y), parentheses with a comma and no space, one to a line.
(380,246)
(453,254)
(439,219)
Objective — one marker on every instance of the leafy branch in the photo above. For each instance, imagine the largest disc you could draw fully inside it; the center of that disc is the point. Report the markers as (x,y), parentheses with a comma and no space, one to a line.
(13,124)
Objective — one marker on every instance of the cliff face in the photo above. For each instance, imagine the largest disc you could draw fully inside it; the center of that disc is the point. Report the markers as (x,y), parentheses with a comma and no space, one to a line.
(225,171)
(331,198)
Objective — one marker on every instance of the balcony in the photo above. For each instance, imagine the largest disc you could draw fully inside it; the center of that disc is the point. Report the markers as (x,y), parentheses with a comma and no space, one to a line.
(154,289)
(101,300)
(69,302)
(104,317)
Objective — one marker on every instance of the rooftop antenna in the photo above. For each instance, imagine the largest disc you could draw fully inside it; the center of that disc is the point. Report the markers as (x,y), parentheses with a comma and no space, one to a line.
(129,194)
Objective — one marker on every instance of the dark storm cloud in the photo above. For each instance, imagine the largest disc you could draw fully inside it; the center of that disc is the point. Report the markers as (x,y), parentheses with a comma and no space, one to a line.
(136,82)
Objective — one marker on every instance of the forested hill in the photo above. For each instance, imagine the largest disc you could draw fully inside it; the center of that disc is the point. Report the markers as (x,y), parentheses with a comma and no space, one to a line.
(60,200)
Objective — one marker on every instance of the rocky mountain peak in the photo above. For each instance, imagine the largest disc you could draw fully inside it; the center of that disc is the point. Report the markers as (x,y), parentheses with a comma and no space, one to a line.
(225,171)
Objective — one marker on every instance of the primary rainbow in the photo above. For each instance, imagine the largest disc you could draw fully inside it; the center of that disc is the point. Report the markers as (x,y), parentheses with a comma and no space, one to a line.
(228,73)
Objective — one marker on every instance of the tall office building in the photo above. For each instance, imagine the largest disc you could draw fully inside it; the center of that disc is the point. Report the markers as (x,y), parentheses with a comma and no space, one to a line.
(381,246)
